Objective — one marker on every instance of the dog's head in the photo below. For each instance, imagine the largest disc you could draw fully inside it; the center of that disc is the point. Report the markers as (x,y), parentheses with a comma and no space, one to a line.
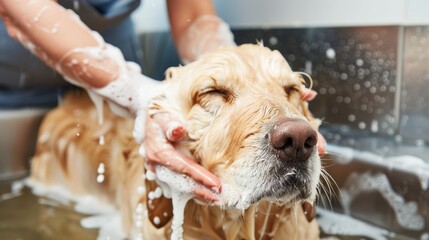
(247,123)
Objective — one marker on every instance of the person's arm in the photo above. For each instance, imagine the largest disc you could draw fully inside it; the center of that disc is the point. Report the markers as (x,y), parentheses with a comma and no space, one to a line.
(182,13)
(196,28)
(61,40)
(53,33)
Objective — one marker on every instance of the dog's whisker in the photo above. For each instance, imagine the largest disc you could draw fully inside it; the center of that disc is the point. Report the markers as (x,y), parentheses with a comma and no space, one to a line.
(291,173)
(331,181)
(325,165)
(329,188)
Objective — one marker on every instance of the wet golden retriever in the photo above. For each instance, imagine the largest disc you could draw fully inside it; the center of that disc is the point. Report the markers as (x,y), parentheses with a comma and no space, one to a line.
(247,123)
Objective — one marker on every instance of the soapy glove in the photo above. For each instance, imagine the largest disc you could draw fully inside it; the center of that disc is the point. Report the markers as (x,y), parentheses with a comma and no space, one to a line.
(204,34)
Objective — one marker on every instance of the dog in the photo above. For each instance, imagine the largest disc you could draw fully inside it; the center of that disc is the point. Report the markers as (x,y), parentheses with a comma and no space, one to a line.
(247,123)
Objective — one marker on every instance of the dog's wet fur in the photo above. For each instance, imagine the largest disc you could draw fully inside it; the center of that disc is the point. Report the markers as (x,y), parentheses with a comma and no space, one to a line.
(247,123)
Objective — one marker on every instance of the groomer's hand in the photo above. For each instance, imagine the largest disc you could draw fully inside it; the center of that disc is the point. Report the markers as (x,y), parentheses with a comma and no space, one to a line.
(163,130)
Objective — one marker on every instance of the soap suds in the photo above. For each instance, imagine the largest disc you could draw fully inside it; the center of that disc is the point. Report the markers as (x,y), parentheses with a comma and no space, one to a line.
(406,163)
(406,212)
(181,189)
(339,224)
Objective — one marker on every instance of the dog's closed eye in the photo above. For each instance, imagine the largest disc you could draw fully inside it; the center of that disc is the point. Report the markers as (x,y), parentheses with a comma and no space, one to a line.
(223,93)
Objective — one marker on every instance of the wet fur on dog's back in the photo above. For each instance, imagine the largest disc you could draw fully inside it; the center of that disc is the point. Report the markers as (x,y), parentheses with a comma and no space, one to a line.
(230,100)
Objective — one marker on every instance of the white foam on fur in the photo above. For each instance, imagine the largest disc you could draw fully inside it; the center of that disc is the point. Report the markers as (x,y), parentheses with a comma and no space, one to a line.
(181,189)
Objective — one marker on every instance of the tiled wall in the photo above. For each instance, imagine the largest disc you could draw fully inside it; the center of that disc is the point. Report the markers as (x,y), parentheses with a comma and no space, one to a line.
(353,68)
(371,79)
(415,91)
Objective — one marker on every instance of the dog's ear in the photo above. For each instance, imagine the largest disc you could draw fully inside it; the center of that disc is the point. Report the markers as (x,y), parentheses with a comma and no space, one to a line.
(173,97)
(160,210)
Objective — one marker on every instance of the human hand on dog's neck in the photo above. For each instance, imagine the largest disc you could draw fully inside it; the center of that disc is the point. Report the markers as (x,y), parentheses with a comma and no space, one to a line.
(164,128)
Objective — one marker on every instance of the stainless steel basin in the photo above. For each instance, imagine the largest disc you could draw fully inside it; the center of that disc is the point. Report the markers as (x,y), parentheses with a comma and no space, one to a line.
(382,181)
(18,130)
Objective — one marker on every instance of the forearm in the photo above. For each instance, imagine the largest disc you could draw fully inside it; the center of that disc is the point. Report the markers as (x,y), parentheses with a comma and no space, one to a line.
(59,38)
(182,13)
(197,29)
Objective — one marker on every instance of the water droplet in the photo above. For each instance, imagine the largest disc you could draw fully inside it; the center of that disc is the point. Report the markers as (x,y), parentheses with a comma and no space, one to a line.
(308,67)
(100,178)
(398,138)
(101,140)
(76,4)
(273,41)
(362,125)
(359,62)
(141,190)
(158,192)
(139,223)
(356,86)
(151,195)
(100,168)
(420,142)
(352,142)
(374,126)
(347,100)
(330,53)
(156,220)
(367,84)
(352,118)
(100,171)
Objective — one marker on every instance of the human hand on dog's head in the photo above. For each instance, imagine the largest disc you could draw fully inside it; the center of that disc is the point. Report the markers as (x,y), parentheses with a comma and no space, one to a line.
(162,131)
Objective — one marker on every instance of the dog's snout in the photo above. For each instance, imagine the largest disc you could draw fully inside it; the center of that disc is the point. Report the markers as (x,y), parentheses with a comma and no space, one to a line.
(293,138)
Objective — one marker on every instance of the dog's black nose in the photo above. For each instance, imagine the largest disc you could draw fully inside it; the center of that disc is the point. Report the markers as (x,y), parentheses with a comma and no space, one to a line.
(294,139)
